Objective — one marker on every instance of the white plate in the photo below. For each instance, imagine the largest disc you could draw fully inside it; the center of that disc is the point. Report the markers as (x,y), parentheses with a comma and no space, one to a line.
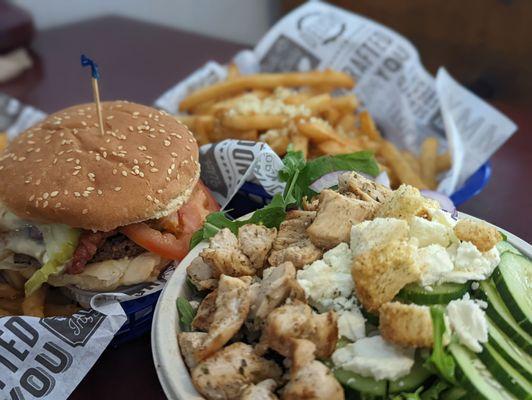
(171,369)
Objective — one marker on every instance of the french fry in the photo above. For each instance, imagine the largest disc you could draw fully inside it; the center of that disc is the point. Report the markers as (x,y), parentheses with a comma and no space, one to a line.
(277,141)
(296,99)
(346,123)
(3,140)
(318,103)
(333,147)
(60,310)
(14,278)
(232,71)
(427,161)
(346,104)
(13,307)
(9,292)
(367,126)
(33,305)
(400,166)
(412,160)
(443,162)
(247,122)
(331,115)
(300,143)
(318,132)
(267,81)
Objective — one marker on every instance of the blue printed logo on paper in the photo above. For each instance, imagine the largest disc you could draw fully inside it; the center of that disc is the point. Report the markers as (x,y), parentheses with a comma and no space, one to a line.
(75,330)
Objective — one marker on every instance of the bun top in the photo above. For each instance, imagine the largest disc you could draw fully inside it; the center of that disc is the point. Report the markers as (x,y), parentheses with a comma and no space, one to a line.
(63,170)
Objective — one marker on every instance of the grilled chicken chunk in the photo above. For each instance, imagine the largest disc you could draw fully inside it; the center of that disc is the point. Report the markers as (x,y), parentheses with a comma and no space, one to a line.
(261,391)
(336,215)
(256,242)
(225,257)
(205,313)
(202,274)
(278,284)
(293,243)
(225,374)
(232,307)
(298,321)
(362,188)
(189,343)
(310,379)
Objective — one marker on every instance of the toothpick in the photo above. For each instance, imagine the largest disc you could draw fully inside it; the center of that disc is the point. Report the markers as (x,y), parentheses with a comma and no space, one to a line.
(87,62)
(96,93)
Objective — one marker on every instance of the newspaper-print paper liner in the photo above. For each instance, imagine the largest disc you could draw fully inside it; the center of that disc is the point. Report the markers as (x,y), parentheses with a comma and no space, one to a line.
(407,103)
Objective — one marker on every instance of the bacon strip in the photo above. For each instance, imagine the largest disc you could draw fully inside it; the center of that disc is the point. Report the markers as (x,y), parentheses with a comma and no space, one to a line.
(88,245)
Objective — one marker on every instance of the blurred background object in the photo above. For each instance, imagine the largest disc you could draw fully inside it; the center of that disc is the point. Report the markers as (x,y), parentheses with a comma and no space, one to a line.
(484,44)
(241,21)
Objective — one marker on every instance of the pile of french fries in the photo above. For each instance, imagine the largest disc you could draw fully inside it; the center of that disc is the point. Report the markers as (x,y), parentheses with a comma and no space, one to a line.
(44,302)
(316,112)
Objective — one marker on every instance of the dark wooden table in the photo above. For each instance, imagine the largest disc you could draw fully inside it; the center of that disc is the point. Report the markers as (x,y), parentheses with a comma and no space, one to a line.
(138,62)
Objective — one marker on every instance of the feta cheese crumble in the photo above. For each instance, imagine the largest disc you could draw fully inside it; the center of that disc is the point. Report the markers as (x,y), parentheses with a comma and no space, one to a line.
(470,264)
(328,279)
(373,357)
(351,324)
(429,232)
(468,321)
(434,263)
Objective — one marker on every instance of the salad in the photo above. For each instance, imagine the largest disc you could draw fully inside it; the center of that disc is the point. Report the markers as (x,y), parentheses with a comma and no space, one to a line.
(356,292)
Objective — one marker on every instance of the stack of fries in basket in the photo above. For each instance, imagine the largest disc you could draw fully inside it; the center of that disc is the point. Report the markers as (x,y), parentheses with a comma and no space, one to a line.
(303,109)
(44,302)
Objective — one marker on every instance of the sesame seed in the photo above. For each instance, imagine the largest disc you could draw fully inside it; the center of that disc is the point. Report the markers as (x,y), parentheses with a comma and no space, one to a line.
(124,173)
(154,170)
(85,211)
(75,172)
(90,188)
(159,191)
(115,171)
(77,194)
(149,197)
(85,194)
(167,143)
(136,113)
(99,192)
(32,197)
(45,204)
(57,205)
(54,193)
(118,189)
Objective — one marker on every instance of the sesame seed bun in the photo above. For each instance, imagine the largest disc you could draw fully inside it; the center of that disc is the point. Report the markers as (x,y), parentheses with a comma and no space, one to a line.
(63,170)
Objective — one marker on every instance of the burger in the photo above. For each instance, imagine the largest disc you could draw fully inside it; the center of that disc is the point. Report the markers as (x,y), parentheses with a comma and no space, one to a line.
(99,210)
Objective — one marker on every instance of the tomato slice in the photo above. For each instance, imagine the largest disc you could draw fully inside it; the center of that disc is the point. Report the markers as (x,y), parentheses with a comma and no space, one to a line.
(166,244)
(174,245)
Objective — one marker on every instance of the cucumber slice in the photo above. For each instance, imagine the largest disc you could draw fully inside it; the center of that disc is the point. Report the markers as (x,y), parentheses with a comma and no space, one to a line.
(512,353)
(513,279)
(365,385)
(474,376)
(504,373)
(504,246)
(440,294)
(409,383)
(454,393)
(502,318)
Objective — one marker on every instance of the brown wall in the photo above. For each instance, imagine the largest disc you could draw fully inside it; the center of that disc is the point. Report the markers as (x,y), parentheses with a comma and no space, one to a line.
(486,44)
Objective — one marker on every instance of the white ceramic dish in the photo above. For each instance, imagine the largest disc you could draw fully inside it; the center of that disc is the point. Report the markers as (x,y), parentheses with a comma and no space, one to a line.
(171,369)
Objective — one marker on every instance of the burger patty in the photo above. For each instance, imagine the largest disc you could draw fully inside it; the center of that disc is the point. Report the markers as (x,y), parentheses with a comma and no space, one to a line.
(117,247)
(114,248)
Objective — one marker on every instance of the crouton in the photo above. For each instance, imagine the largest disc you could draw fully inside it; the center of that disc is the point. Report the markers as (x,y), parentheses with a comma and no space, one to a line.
(382,272)
(404,203)
(407,325)
(369,234)
(480,233)
(336,215)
